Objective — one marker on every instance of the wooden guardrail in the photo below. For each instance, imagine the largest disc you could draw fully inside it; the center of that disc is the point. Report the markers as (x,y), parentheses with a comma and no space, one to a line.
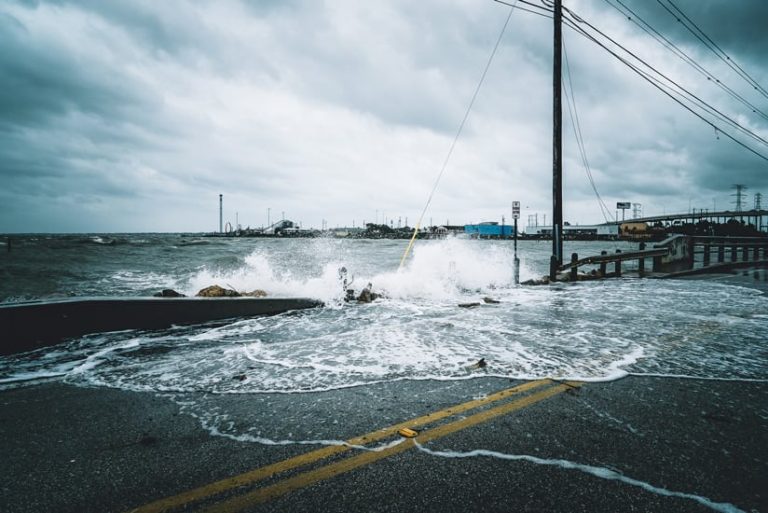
(751,249)
(677,254)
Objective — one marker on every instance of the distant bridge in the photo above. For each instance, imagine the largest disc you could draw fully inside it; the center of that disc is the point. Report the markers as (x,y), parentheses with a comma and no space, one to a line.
(755,217)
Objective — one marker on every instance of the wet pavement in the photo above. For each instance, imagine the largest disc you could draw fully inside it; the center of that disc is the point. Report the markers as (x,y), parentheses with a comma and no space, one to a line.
(637,444)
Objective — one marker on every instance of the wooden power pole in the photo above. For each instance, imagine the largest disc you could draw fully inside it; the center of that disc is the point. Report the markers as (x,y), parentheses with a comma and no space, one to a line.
(557,146)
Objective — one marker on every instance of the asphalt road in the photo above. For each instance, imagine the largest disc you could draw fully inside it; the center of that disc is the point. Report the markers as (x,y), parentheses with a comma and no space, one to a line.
(637,444)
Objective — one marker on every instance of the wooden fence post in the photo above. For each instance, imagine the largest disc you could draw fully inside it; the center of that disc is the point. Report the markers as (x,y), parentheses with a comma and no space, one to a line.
(603,265)
(574,269)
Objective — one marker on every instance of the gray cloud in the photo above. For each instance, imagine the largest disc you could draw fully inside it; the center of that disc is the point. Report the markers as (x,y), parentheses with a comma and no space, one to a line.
(135,115)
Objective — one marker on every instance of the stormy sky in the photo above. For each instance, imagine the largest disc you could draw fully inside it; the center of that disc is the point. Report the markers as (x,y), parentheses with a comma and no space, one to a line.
(134,115)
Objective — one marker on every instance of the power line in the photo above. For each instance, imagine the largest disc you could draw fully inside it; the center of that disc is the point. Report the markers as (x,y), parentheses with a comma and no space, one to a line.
(574,23)
(575,123)
(670,83)
(677,51)
(526,9)
(661,87)
(458,132)
(667,89)
(712,46)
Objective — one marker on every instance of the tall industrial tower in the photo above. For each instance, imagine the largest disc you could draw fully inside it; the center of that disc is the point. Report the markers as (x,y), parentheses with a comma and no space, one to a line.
(758,201)
(221,213)
(739,195)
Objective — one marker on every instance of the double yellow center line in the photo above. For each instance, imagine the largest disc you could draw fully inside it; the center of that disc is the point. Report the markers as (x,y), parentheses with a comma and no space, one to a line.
(333,469)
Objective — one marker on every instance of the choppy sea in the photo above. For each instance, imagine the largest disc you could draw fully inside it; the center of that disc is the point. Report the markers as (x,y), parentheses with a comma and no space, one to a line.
(714,328)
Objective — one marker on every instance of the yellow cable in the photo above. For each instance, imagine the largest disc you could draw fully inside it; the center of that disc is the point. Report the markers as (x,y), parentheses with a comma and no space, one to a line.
(410,245)
(458,133)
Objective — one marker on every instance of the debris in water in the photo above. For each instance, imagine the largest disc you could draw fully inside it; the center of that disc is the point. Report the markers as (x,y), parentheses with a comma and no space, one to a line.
(366,295)
(169,293)
(468,305)
(480,364)
(491,301)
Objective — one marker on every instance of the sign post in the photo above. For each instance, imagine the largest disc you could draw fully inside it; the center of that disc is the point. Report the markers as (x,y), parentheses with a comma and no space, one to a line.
(623,206)
(516,216)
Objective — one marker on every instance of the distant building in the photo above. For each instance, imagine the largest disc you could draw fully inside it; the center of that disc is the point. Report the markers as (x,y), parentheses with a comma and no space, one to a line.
(635,230)
(598,230)
(489,229)
(284,226)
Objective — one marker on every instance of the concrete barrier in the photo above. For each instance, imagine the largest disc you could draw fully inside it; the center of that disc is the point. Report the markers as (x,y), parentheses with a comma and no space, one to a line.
(29,325)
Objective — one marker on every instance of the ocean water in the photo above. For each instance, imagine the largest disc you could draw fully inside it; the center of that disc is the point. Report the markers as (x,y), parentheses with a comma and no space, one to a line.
(595,331)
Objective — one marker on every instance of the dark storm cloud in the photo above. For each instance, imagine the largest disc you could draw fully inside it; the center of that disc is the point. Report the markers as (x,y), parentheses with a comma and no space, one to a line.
(139,112)
(644,143)
(738,26)
(39,82)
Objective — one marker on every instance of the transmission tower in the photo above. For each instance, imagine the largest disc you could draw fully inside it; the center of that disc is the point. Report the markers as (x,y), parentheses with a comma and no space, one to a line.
(739,194)
(637,210)
(758,200)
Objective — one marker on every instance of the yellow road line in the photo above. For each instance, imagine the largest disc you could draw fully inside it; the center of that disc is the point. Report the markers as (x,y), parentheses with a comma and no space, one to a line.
(268,493)
(197,494)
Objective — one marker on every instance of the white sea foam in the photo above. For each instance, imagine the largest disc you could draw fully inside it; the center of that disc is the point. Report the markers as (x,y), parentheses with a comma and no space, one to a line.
(599,472)
(592,331)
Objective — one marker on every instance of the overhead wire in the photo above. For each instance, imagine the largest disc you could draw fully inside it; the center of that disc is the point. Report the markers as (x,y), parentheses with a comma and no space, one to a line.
(573,22)
(663,88)
(664,84)
(458,134)
(670,82)
(605,211)
(526,9)
(573,112)
(694,29)
(635,18)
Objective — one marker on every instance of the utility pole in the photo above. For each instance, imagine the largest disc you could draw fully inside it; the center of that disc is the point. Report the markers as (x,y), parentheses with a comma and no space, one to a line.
(516,216)
(739,194)
(221,213)
(557,145)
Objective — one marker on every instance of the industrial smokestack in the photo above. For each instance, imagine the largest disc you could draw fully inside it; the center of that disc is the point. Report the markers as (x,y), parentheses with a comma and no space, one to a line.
(221,213)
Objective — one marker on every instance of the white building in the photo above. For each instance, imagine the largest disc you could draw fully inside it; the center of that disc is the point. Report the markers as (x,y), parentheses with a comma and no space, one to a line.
(598,230)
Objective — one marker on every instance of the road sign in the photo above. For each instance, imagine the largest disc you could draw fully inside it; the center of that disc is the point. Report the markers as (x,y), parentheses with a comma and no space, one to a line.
(623,205)
(515,210)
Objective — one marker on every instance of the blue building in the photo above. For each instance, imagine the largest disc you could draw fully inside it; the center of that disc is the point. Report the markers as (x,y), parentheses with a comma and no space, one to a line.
(489,229)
